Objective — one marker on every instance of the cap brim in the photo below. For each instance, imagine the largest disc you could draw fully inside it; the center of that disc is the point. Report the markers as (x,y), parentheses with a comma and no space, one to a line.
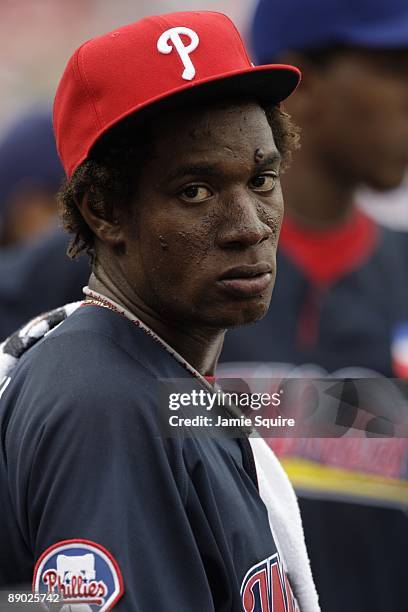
(270,84)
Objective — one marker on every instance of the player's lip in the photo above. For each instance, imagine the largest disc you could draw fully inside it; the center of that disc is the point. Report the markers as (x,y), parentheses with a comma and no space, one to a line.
(246,281)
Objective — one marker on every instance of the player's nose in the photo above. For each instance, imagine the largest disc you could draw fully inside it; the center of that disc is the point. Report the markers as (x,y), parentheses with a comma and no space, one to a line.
(241,225)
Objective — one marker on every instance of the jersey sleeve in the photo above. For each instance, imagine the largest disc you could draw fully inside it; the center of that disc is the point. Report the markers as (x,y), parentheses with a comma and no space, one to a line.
(87,464)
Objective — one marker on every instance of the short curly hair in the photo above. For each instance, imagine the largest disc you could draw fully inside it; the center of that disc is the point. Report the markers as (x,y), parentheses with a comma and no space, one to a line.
(107,176)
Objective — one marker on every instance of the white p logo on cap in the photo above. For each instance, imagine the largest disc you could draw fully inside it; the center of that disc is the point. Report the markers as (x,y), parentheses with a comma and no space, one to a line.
(173,35)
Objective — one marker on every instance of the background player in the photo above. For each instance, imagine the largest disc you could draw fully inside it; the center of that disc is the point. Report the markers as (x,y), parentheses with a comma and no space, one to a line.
(340,304)
(30,176)
(35,274)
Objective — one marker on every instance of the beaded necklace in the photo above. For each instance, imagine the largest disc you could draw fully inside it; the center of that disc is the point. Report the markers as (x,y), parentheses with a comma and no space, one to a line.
(94,298)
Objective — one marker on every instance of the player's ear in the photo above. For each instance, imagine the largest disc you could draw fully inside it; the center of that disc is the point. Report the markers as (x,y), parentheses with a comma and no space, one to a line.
(306,104)
(107,225)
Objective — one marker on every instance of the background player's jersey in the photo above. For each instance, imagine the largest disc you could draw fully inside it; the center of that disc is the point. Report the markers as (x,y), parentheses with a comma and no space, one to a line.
(339,307)
(36,277)
(340,300)
(91,488)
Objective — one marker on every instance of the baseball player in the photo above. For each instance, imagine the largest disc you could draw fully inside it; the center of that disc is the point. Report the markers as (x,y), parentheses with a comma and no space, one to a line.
(172,143)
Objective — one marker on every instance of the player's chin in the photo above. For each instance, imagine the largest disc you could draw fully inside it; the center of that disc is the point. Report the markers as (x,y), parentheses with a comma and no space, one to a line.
(390,177)
(241,311)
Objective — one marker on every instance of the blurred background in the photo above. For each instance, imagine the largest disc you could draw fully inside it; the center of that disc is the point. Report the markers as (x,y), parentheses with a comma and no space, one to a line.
(337,309)
(38,36)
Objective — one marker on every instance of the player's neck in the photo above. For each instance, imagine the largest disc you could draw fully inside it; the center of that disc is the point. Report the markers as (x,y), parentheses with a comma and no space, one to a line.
(200,347)
(314,195)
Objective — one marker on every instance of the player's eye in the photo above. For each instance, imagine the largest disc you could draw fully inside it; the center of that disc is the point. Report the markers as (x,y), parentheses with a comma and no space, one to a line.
(195,193)
(264,182)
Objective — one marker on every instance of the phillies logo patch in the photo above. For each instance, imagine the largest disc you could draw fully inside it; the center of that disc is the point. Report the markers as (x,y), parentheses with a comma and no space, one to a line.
(81,574)
(266,588)
(173,36)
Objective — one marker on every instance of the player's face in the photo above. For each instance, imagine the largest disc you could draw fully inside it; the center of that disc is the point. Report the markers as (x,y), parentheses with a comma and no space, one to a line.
(201,244)
(361,128)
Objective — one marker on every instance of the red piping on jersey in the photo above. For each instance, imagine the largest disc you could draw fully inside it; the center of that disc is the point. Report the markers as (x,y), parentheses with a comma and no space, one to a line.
(324,256)
(307,331)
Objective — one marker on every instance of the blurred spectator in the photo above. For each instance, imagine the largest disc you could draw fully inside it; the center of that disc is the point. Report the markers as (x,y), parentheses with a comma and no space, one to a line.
(35,273)
(37,277)
(340,303)
(30,175)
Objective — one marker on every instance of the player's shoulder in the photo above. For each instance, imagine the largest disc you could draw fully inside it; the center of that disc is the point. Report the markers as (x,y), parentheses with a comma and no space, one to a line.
(86,384)
(90,342)
(94,362)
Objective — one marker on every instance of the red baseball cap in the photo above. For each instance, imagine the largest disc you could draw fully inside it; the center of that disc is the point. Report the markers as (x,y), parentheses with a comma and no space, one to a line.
(174,58)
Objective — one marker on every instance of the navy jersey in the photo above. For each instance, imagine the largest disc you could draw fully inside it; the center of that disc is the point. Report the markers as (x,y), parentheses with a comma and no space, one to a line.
(37,277)
(340,299)
(90,488)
